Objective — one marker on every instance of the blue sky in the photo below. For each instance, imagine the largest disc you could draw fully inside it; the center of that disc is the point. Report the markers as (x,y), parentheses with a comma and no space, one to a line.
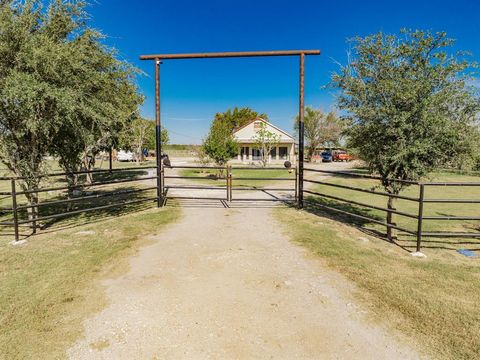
(194,90)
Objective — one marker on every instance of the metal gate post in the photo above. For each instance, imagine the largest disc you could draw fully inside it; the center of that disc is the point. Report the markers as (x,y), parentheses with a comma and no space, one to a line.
(158,135)
(420,217)
(229,183)
(15,211)
(301,131)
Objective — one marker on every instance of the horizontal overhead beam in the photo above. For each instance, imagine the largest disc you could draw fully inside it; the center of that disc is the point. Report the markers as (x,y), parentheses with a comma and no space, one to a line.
(229,54)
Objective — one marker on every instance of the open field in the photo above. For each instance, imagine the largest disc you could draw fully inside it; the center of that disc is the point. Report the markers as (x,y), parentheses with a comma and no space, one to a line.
(433,300)
(47,284)
(430,209)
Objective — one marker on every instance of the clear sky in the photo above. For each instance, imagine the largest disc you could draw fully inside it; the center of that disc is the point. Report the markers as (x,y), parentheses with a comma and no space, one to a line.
(194,90)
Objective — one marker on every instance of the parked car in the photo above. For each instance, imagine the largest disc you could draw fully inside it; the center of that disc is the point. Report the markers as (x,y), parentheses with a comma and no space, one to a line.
(341,155)
(125,156)
(326,156)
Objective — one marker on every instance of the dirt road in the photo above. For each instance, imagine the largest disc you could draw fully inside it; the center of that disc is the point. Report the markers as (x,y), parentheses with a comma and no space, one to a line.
(228,284)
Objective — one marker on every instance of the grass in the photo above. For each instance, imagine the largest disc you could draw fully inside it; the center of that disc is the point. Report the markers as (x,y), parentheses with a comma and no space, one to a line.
(433,301)
(209,177)
(430,209)
(48,286)
(97,190)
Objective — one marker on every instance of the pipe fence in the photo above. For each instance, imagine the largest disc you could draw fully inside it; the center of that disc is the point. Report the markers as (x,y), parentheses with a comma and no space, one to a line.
(106,190)
(422,202)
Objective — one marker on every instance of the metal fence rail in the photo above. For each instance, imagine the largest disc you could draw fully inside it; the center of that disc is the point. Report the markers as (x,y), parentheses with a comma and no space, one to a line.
(119,197)
(229,179)
(419,216)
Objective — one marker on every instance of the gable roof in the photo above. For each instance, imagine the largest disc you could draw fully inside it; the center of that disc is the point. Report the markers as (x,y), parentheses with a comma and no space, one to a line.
(266,122)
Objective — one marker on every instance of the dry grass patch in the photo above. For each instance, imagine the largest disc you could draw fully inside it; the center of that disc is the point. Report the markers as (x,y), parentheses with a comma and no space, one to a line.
(49,285)
(433,301)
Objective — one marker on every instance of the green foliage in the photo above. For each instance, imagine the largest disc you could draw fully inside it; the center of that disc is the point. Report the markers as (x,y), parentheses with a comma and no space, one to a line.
(409,108)
(320,129)
(233,119)
(220,145)
(265,141)
(63,92)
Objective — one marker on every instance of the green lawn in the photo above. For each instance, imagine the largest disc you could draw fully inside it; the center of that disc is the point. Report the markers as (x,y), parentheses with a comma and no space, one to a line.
(433,301)
(430,209)
(50,285)
(209,177)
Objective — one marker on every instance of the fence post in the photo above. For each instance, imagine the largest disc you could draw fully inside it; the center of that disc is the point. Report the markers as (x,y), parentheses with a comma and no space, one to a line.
(420,217)
(229,183)
(15,211)
(296,184)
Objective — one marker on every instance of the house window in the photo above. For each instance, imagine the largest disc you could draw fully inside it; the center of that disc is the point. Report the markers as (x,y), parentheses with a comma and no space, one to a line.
(273,153)
(244,152)
(256,154)
(283,152)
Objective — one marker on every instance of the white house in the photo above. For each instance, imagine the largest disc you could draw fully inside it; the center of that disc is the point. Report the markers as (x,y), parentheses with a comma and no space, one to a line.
(285,149)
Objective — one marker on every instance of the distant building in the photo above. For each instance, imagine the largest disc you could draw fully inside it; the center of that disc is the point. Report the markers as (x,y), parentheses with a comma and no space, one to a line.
(285,150)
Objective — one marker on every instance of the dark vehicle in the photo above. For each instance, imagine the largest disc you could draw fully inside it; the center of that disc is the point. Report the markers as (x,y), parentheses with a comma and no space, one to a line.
(326,156)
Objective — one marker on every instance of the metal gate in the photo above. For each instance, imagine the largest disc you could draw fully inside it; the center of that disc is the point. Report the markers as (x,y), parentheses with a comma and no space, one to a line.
(228,183)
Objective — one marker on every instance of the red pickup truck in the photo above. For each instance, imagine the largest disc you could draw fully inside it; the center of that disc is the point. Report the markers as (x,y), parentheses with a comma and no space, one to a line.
(341,155)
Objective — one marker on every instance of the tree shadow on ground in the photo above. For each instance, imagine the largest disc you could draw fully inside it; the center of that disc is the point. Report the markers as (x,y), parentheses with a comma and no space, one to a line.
(317,206)
(99,205)
(324,208)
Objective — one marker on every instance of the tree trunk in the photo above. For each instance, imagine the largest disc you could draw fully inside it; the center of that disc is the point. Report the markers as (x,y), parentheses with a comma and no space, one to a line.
(33,210)
(72,181)
(391,234)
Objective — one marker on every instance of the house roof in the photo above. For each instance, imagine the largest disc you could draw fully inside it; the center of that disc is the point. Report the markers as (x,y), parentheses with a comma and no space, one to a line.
(266,122)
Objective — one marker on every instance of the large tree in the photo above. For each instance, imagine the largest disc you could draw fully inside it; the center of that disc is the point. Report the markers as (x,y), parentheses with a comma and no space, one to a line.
(220,145)
(63,92)
(408,105)
(320,129)
(233,119)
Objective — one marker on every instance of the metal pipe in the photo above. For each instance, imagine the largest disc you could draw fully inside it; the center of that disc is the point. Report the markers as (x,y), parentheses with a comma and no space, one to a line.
(158,133)
(362,217)
(15,211)
(363,190)
(85,185)
(157,57)
(78,173)
(420,217)
(301,131)
(86,197)
(393,211)
(345,173)
(68,213)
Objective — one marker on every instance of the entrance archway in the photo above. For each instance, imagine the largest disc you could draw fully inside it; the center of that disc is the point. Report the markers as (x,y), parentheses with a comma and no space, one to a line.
(157,58)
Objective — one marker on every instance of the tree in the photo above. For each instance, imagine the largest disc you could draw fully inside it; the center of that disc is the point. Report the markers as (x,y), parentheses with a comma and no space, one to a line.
(219,144)
(63,92)
(141,135)
(409,109)
(265,140)
(320,129)
(238,117)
